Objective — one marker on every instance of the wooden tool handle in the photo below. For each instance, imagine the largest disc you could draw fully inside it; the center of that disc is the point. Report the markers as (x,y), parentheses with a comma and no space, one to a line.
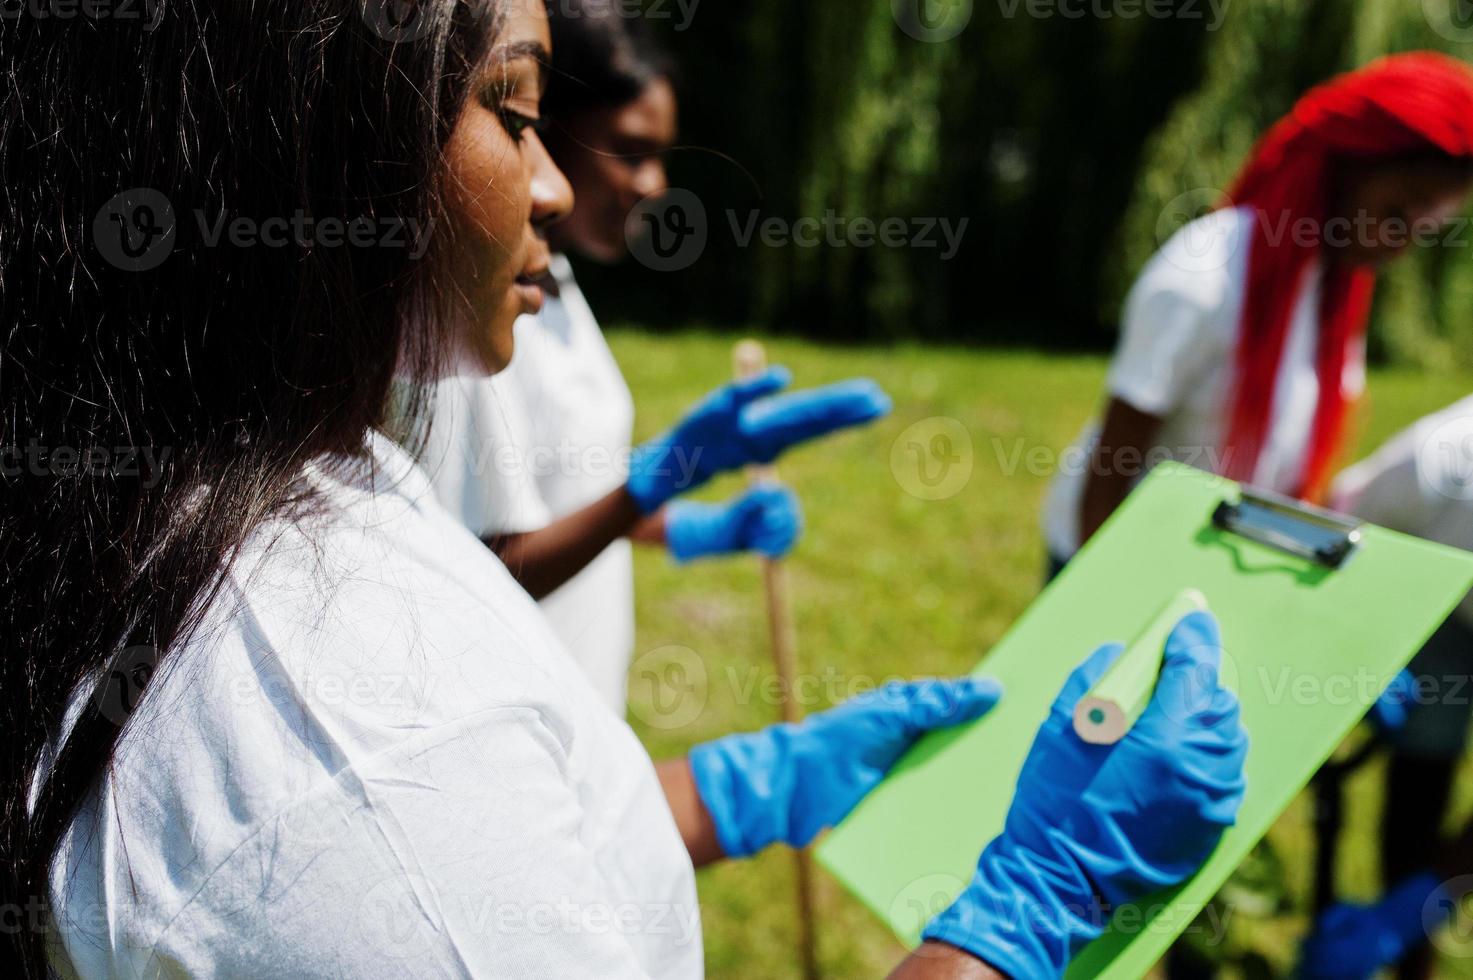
(749,359)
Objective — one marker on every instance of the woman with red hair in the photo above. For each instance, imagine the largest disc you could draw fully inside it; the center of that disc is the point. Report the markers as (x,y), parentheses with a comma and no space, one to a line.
(1242,347)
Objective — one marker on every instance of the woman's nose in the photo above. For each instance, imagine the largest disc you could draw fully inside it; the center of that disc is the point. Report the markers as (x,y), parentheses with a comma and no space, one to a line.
(552,195)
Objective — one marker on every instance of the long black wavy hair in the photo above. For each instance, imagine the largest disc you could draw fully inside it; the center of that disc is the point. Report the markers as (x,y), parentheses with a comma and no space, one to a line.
(163,378)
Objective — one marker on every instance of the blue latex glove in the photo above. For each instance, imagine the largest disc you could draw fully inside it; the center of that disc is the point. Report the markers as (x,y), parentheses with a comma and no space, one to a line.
(1093,827)
(1356,941)
(742,424)
(788,782)
(1393,708)
(767,519)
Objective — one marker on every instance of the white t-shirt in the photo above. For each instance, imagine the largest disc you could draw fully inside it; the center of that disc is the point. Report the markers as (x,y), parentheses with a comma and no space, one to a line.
(1420,483)
(543,439)
(1177,360)
(375,760)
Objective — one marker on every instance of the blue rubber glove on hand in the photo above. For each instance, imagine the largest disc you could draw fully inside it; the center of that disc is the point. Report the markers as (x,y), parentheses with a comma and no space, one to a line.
(1357,941)
(1096,824)
(788,782)
(742,424)
(767,519)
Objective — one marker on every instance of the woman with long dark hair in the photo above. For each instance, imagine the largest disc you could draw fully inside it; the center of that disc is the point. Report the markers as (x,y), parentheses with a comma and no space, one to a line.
(270,710)
(171,386)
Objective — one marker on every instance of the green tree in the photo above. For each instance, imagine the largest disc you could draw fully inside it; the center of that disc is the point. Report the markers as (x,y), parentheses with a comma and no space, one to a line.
(1071,146)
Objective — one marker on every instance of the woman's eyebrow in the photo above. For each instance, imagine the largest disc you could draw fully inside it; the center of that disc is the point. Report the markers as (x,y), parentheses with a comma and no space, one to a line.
(517,50)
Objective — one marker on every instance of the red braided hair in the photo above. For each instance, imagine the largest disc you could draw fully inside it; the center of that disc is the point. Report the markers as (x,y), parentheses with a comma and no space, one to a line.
(1397,106)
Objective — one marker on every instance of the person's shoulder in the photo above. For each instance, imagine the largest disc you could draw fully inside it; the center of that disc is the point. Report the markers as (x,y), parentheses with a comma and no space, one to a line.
(1422,471)
(1457,416)
(342,631)
(1200,263)
(1450,428)
(252,761)
(384,568)
(365,632)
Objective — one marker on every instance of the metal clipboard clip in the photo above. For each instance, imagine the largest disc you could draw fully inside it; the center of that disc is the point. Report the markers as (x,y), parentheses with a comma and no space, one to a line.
(1300,529)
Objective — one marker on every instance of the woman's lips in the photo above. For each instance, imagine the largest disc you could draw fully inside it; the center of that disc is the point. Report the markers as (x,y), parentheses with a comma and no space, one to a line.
(531,294)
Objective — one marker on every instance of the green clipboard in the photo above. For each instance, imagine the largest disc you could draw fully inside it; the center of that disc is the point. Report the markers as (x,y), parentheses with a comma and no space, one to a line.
(1317,614)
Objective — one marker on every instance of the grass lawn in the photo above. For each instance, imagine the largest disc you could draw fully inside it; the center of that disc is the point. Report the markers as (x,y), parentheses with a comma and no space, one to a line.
(888,584)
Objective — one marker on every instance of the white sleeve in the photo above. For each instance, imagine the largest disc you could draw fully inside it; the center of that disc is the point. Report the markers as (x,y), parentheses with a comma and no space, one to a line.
(1421,481)
(1170,337)
(1395,488)
(462,853)
(478,457)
